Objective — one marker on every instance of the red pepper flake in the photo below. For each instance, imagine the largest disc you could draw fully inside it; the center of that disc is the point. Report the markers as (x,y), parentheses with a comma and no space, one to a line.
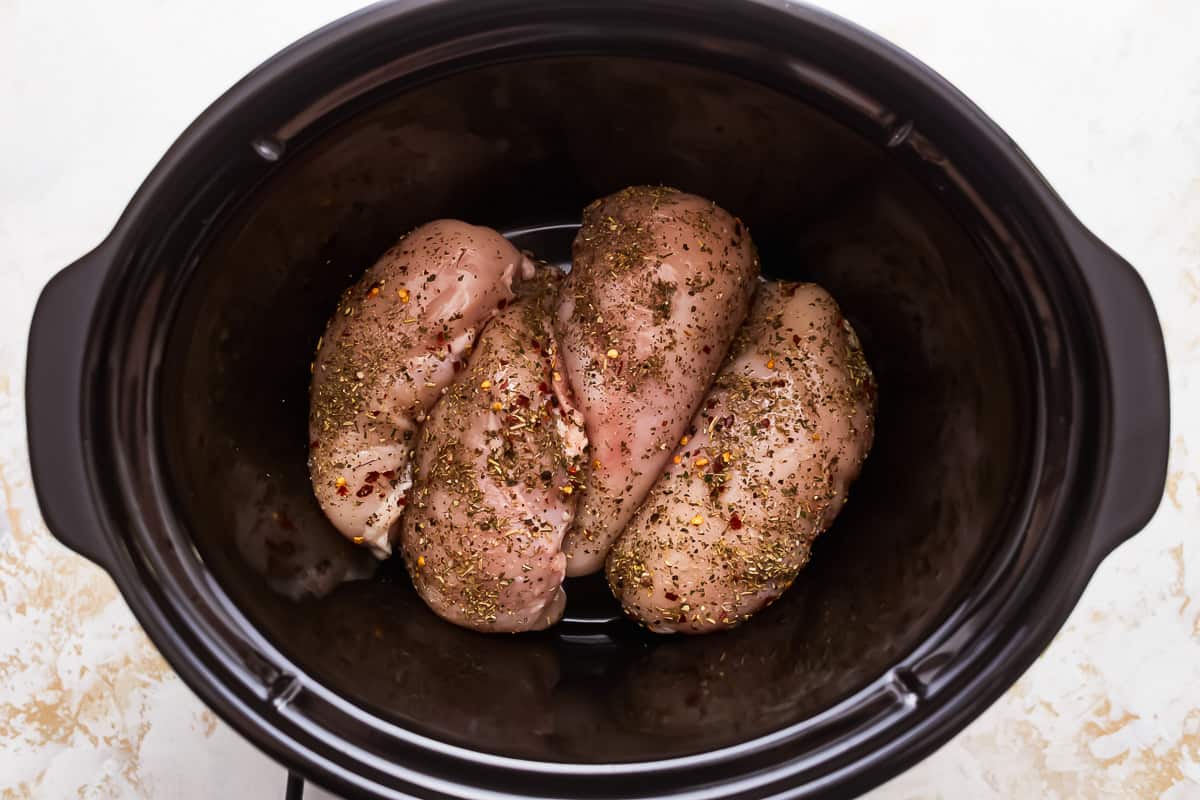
(572,470)
(372,476)
(456,365)
(671,596)
(314,445)
(711,404)
(403,501)
(522,401)
(511,420)
(502,304)
(363,490)
(441,337)
(543,388)
(735,522)
(764,423)
(536,344)
(706,349)
(342,491)
(390,474)
(795,338)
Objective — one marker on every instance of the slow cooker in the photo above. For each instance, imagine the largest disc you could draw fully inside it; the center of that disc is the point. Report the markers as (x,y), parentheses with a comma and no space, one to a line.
(1022,427)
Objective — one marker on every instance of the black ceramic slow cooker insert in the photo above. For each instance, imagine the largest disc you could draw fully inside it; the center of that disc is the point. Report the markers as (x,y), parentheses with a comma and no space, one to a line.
(1022,428)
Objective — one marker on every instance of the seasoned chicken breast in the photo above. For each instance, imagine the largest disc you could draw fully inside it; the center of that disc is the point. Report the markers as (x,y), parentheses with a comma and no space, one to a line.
(498,468)
(659,283)
(398,337)
(765,468)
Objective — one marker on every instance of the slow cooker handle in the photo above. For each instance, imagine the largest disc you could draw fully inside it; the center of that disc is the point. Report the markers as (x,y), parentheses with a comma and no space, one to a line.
(1139,397)
(54,388)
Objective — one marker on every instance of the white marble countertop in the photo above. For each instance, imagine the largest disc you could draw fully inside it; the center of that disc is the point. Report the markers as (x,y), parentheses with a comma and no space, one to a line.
(1105,99)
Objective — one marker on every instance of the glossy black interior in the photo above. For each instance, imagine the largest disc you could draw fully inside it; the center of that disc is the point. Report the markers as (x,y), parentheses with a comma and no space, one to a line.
(523,147)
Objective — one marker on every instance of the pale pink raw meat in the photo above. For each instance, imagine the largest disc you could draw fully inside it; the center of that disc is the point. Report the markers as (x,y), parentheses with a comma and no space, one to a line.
(399,335)
(497,469)
(660,281)
(770,457)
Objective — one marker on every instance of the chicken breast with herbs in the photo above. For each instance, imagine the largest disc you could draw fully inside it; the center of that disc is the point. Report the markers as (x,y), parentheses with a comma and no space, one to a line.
(766,468)
(399,335)
(498,468)
(660,282)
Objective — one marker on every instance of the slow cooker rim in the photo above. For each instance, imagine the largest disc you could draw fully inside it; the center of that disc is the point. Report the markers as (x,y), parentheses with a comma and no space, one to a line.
(123,564)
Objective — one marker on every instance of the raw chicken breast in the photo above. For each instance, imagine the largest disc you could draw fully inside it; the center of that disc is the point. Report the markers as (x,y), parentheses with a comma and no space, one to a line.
(398,337)
(498,468)
(769,459)
(660,281)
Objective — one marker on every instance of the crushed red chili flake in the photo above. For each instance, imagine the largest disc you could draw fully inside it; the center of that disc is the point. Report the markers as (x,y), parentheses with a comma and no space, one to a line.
(764,423)
(390,474)
(502,304)
(711,404)
(536,344)
(671,596)
(543,388)
(735,522)
(314,445)
(343,491)
(403,501)
(456,365)
(441,337)
(363,490)
(372,476)
(522,401)
(795,338)
(707,349)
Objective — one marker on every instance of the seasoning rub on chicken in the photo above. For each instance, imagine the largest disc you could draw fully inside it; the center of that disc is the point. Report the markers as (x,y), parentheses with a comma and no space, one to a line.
(399,335)
(764,469)
(660,282)
(498,465)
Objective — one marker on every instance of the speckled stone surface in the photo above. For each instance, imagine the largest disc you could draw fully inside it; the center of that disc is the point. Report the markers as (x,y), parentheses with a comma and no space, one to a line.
(1104,97)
